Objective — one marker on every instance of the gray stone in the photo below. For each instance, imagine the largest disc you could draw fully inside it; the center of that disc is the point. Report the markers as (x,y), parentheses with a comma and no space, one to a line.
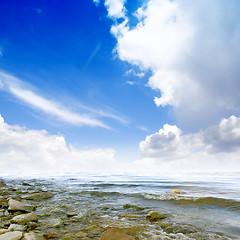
(16,227)
(32,236)
(15,205)
(38,196)
(2,231)
(55,223)
(24,218)
(11,236)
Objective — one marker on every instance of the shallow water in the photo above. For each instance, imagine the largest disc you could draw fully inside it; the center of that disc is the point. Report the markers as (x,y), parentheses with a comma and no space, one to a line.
(208,206)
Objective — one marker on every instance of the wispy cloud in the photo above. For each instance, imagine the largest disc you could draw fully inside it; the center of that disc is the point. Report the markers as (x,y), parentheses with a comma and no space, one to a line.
(24,93)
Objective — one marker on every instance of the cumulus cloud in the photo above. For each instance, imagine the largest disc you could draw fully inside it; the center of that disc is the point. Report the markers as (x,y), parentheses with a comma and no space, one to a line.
(192,49)
(21,91)
(26,150)
(115,8)
(217,145)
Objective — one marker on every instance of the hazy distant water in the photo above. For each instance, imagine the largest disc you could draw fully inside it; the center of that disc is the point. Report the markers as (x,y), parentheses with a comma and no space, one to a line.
(209,203)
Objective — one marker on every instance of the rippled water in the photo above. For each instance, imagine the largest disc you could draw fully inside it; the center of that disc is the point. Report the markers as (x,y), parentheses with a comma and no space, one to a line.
(208,206)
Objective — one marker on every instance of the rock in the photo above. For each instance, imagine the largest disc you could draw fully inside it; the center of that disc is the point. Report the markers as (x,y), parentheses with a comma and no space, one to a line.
(69,238)
(55,223)
(135,207)
(71,214)
(38,196)
(175,191)
(15,205)
(24,218)
(123,215)
(153,216)
(49,235)
(2,231)
(32,236)
(11,236)
(114,234)
(81,234)
(32,225)
(16,227)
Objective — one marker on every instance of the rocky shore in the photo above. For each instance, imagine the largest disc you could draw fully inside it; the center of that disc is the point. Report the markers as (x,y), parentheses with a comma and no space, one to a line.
(30,215)
(40,209)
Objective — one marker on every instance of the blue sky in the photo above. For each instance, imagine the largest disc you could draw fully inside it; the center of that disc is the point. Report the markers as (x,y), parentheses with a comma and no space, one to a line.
(150,83)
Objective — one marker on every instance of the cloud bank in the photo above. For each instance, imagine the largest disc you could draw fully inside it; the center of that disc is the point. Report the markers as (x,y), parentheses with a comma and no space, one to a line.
(192,49)
(217,147)
(24,150)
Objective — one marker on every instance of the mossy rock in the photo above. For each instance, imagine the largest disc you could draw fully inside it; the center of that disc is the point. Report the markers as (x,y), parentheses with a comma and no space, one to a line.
(132,206)
(154,216)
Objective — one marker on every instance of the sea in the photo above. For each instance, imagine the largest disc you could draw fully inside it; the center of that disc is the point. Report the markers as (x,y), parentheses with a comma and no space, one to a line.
(207,207)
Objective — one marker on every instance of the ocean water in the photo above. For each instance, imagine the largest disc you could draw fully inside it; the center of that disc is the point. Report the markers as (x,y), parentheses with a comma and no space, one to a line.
(208,206)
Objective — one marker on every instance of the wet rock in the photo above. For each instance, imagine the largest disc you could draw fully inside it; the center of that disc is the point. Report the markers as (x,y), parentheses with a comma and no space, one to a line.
(175,191)
(11,236)
(32,225)
(38,196)
(68,238)
(49,235)
(15,205)
(32,236)
(154,216)
(55,223)
(81,234)
(24,218)
(71,214)
(3,203)
(2,231)
(7,224)
(135,207)
(114,234)
(16,227)
(123,215)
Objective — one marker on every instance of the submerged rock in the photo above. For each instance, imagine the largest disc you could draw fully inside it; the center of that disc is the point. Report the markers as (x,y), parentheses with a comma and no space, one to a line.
(24,218)
(71,214)
(175,191)
(38,196)
(49,235)
(14,205)
(11,236)
(153,216)
(55,223)
(32,236)
(135,207)
(123,215)
(114,234)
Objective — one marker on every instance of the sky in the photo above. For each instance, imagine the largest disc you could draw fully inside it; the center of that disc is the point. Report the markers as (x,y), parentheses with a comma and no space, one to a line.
(119,85)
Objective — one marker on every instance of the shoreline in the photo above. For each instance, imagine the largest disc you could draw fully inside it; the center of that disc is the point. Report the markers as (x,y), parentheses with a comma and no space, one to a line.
(77,215)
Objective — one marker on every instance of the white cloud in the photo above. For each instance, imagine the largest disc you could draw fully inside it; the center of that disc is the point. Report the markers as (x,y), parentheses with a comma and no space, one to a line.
(115,8)
(192,49)
(1,54)
(96,2)
(216,147)
(35,150)
(52,108)
(134,73)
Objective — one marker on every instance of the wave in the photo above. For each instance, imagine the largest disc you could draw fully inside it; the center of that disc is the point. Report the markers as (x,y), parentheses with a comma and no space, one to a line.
(222,202)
